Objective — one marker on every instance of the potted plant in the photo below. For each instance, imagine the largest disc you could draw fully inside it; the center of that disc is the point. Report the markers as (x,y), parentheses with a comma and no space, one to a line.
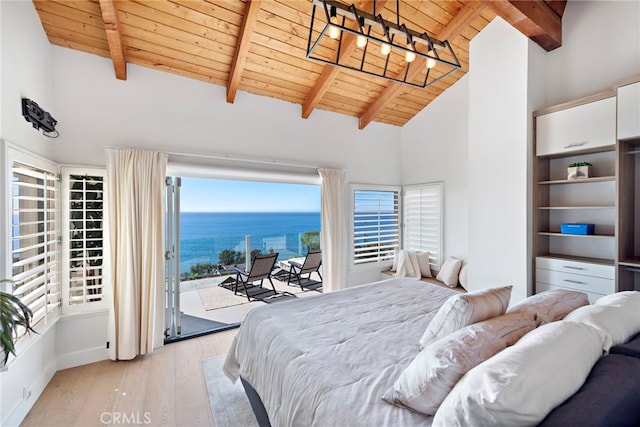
(578,170)
(13,314)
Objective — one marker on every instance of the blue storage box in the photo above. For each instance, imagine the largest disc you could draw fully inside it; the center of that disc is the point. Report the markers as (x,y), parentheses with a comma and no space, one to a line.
(582,229)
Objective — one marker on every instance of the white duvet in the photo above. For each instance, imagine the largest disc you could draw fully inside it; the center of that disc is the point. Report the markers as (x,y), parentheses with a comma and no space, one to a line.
(327,360)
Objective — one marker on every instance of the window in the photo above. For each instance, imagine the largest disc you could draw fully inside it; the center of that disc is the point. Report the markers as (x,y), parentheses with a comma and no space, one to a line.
(422,213)
(376,227)
(83,242)
(34,239)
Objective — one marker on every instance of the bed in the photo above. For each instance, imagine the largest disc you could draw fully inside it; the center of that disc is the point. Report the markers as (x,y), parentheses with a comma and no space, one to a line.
(328,359)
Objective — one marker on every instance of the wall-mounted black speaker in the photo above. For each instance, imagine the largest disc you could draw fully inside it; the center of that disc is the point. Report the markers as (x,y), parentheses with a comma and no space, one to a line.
(39,118)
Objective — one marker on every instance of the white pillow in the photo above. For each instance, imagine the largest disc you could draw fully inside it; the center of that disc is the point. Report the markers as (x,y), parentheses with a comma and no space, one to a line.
(461,310)
(431,375)
(523,383)
(408,265)
(448,274)
(423,263)
(463,277)
(617,315)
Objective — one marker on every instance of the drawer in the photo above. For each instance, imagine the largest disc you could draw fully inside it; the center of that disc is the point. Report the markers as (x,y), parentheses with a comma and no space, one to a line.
(578,282)
(541,287)
(577,267)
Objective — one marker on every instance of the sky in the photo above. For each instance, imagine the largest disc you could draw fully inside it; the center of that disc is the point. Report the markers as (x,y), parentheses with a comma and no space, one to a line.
(219,195)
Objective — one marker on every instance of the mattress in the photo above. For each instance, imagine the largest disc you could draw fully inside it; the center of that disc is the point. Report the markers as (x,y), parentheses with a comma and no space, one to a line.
(328,359)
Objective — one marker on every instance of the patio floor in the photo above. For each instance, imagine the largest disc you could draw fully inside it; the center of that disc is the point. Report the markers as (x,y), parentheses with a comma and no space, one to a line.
(209,299)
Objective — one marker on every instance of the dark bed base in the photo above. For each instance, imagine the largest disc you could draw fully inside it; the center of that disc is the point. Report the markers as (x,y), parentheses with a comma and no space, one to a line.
(256,404)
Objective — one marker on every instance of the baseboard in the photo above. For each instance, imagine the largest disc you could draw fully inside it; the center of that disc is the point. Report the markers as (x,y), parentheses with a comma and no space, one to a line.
(84,357)
(20,411)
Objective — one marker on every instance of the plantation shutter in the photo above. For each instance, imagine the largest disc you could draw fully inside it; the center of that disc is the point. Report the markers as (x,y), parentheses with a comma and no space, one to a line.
(34,242)
(422,206)
(376,229)
(84,244)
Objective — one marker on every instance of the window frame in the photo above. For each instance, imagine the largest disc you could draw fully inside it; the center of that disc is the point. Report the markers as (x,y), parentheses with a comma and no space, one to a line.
(13,154)
(87,306)
(353,187)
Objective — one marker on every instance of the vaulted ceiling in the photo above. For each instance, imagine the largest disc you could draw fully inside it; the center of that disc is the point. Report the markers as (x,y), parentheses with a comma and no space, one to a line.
(259,46)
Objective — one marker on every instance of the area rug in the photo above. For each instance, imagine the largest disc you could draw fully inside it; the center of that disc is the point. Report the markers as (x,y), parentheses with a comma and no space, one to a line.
(214,296)
(229,403)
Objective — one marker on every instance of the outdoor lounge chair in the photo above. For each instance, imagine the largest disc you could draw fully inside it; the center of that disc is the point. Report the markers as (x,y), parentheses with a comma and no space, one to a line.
(261,268)
(311,264)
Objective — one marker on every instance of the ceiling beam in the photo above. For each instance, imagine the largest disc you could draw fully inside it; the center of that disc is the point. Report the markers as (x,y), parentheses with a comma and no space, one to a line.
(459,22)
(539,20)
(330,72)
(242,48)
(114,37)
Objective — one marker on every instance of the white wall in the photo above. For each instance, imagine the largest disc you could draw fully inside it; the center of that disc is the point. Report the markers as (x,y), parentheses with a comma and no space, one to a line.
(498,159)
(441,131)
(161,111)
(25,71)
(600,47)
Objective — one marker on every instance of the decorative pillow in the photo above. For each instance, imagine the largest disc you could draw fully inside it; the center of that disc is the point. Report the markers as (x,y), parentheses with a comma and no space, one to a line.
(617,315)
(408,265)
(431,375)
(464,309)
(448,274)
(551,305)
(523,383)
(463,277)
(423,263)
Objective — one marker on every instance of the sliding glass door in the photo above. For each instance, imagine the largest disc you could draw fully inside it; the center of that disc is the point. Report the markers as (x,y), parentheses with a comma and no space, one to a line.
(172,329)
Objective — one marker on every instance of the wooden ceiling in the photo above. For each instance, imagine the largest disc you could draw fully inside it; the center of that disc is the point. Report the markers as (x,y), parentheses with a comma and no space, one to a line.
(259,46)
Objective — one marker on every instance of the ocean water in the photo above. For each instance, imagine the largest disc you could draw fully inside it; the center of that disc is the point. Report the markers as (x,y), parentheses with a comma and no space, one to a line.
(203,235)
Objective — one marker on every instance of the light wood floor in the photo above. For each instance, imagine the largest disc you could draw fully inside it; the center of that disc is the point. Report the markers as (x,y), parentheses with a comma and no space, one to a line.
(165,388)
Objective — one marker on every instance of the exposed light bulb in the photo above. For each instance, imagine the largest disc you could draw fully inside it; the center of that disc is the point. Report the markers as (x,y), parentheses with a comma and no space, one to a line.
(361,42)
(385,49)
(334,32)
(430,61)
(409,56)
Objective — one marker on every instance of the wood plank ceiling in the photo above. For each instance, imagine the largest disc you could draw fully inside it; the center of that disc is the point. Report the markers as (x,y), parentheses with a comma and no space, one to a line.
(259,46)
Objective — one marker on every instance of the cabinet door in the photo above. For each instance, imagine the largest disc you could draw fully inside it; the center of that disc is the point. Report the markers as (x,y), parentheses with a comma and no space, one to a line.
(577,128)
(629,111)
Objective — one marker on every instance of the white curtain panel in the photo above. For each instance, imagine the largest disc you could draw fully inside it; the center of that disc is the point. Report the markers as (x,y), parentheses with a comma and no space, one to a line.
(135,196)
(334,230)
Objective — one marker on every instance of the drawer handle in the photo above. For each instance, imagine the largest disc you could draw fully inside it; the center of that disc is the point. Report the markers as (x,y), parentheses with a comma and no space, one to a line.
(575,281)
(575,144)
(573,268)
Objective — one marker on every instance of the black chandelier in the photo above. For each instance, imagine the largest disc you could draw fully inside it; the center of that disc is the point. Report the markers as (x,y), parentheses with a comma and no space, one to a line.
(346,37)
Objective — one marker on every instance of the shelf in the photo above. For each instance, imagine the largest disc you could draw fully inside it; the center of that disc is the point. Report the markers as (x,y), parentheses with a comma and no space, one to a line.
(630,262)
(575,207)
(579,181)
(561,155)
(591,236)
